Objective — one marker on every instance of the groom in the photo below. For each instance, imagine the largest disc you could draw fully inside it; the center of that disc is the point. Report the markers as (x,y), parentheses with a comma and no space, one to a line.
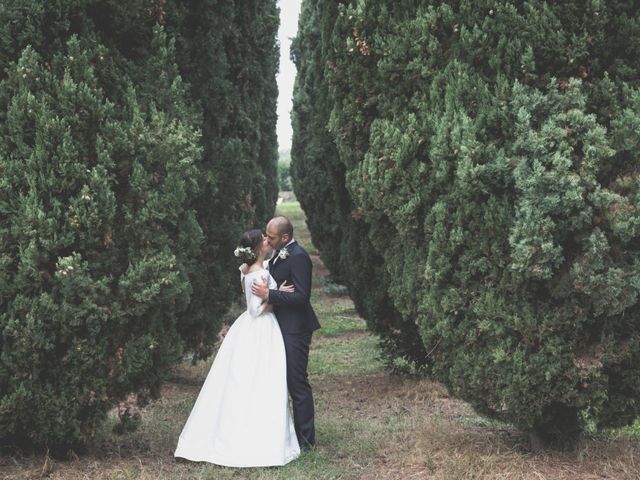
(291,263)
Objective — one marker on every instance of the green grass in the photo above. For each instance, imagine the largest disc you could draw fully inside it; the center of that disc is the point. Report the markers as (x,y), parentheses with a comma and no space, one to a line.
(337,320)
(356,356)
(336,326)
(310,465)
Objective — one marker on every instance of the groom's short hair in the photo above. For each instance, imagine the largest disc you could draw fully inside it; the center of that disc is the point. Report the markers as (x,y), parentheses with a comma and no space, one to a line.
(283,225)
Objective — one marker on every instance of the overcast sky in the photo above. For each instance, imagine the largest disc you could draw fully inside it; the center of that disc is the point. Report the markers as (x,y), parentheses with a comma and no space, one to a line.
(289,11)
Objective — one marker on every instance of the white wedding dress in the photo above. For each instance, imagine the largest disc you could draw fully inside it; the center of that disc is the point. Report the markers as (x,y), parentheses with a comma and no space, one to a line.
(241,417)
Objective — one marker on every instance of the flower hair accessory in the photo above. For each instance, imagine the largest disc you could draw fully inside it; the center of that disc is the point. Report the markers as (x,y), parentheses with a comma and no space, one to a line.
(246,251)
(284,253)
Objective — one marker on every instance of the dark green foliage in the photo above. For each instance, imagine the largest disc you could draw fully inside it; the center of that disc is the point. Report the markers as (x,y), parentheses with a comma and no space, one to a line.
(227,53)
(96,228)
(318,171)
(490,150)
(122,191)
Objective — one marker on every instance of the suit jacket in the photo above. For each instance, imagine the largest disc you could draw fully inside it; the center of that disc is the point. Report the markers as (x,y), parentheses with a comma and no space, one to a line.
(293,310)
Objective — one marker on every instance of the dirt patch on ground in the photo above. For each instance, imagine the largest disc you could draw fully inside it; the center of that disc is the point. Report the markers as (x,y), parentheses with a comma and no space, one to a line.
(321,270)
(375,396)
(440,438)
(372,396)
(442,449)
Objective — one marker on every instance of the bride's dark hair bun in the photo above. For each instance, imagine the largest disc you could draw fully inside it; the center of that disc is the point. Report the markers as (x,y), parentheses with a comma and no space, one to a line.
(247,250)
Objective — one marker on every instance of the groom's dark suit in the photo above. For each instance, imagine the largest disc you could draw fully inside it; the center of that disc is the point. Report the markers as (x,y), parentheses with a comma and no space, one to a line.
(297,322)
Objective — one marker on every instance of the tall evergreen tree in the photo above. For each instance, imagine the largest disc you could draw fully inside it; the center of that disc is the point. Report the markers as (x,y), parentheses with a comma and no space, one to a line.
(95,228)
(319,173)
(122,190)
(489,149)
(228,53)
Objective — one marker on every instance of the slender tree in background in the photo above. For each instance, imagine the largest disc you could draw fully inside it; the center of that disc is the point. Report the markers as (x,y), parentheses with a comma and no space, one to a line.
(489,153)
(116,210)
(318,173)
(228,54)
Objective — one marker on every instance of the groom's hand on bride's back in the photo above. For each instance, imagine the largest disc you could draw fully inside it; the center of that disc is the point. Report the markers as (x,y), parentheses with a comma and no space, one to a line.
(261,289)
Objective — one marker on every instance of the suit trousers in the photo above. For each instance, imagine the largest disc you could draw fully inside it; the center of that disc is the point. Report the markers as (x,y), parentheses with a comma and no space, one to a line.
(297,350)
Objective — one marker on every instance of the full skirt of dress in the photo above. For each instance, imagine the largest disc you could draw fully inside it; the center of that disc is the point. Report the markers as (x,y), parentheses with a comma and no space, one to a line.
(242,417)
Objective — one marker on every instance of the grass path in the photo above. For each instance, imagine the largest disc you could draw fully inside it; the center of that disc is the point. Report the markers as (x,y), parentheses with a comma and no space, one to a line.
(370,425)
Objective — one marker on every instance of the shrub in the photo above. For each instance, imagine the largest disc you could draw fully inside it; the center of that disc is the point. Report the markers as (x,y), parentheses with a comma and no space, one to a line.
(318,172)
(95,204)
(489,153)
(122,191)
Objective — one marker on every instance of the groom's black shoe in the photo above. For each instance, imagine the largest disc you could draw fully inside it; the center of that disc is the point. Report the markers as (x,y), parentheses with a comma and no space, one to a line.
(306,446)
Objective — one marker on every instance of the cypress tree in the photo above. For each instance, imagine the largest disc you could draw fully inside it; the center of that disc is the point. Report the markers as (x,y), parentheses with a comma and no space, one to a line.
(95,204)
(489,149)
(319,172)
(227,53)
(122,190)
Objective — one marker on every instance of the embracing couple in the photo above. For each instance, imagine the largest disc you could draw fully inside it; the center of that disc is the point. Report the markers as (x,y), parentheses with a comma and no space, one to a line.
(241,417)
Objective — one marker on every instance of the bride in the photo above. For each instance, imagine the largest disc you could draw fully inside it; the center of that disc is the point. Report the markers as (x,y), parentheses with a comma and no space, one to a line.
(241,417)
